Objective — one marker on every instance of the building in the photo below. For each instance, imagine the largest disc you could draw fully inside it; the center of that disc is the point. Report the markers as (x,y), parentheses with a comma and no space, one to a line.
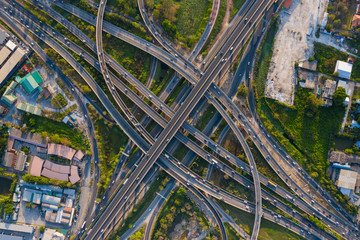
(16,228)
(342,158)
(51,234)
(8,97)
(74,175)
(287,4)
(11,45)
(29,108)
(28,137)
(51,200)
(3,37)
(14,159)
(343,68)
(31,195)
(329,89)
(36,165)
(11,64)
(57,171)
(61,151)
(324,22)
(4,54)
(30,82)
(347,181)
(79,155)
(344,85)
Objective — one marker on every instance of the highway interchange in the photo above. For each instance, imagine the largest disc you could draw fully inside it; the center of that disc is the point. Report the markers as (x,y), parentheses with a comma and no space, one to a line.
(158,146)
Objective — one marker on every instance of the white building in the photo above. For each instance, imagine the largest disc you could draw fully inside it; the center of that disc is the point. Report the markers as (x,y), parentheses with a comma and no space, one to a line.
(347,181)
(344,69)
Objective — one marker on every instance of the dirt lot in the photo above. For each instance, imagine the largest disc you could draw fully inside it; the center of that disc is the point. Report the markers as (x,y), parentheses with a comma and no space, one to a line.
(293,43)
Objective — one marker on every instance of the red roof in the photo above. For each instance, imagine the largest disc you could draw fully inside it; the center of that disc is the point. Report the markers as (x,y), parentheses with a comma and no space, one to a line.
(287,3)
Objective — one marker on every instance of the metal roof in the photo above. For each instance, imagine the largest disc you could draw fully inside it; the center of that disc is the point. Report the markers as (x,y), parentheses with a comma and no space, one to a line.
(16,227)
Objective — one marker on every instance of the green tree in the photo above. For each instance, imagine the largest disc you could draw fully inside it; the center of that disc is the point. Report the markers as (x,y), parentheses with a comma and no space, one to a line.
(339,96)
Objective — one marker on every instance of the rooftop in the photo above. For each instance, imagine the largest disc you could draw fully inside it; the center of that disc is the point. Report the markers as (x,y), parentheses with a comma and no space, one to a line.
(347,179)
(10,64)
(16,227)
(343,68)
(31,82)
(36,165)
(31,138)
(61,151)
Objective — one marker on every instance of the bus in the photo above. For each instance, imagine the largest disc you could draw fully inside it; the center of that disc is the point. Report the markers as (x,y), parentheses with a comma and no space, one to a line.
(271,184)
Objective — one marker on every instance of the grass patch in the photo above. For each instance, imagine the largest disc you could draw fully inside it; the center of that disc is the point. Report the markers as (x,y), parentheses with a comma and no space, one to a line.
(176,92)
(162,76)
(58,132)
(205,117)
(59,101)
(231,233)
(268,230)
(66,91)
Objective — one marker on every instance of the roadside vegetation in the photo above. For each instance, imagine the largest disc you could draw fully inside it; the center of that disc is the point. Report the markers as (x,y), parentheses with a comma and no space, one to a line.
(111,141)
(58,132)
(184,20)
(47,181)
(237,4)
(205,117)
(268,230)
(178,208)
(231,233)
(303,130)
(160,182)
(163,75)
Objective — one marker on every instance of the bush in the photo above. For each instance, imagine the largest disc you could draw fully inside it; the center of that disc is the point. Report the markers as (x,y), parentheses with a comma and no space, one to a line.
(42,229)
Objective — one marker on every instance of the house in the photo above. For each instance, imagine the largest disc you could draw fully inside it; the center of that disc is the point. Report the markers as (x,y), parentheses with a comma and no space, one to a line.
(354,124)
(30,82)
(347,181)
(343,68)
(28,137)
